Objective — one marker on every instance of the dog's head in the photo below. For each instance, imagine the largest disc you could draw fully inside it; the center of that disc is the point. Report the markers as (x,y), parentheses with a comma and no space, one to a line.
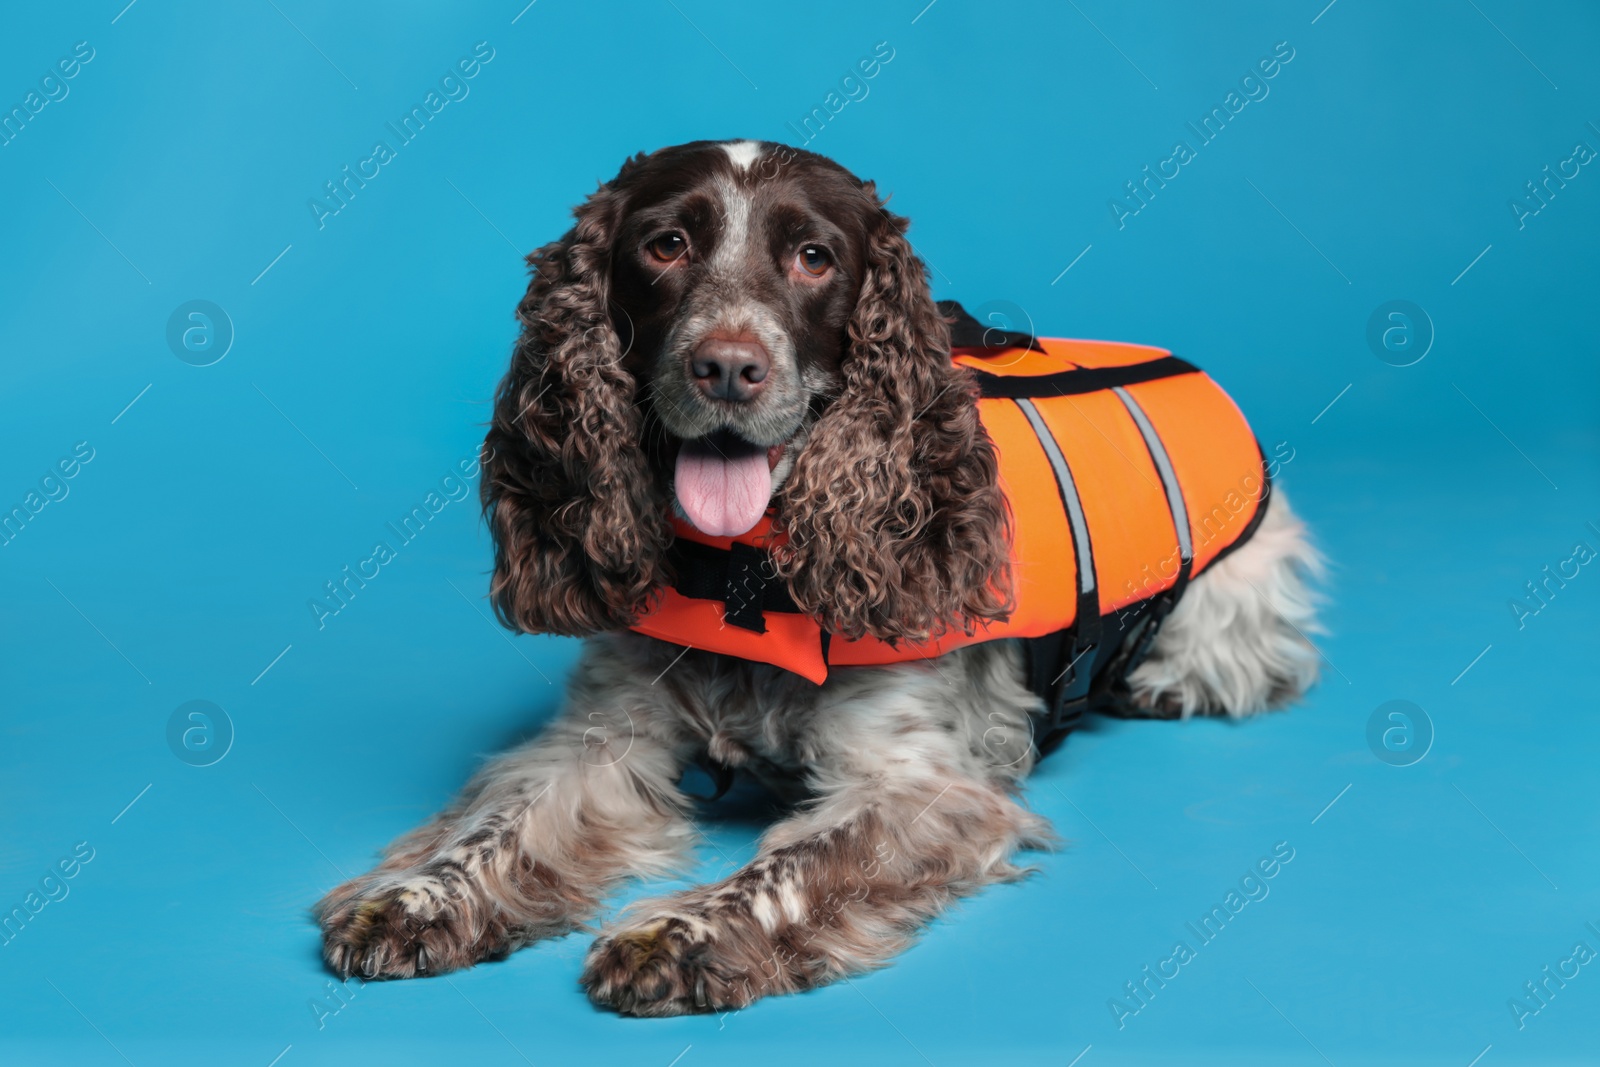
(730,327)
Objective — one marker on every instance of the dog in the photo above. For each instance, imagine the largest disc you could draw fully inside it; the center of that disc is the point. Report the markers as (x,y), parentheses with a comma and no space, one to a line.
(731,327)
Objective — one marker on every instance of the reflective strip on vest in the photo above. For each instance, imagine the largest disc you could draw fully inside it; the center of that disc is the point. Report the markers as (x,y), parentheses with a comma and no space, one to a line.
(1169,480)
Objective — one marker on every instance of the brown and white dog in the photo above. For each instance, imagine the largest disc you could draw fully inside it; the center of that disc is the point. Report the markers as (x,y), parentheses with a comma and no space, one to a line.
(728,327)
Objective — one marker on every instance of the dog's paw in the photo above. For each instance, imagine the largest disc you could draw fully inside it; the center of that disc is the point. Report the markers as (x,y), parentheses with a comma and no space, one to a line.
(400,929)
(666,965)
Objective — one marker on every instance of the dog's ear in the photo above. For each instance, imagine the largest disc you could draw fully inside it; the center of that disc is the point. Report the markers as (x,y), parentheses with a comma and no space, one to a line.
(897,527)
(578,523)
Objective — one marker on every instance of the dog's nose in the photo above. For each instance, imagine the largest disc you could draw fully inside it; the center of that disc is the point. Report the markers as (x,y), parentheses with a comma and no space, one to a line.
(729,370)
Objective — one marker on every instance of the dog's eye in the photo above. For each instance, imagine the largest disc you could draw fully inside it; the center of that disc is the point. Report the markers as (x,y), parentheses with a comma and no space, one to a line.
(814,260)
(668,247)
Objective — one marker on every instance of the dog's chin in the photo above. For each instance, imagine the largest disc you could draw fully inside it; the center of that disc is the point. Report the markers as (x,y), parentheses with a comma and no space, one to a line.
(723,483)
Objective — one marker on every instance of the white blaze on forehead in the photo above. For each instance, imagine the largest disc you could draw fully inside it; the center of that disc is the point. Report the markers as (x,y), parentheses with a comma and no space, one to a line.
(743,153)
(734,204)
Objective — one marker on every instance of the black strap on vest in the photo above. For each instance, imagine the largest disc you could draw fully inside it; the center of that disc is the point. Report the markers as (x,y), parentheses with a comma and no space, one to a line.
(1080,380)
(968,332)
(1068,655)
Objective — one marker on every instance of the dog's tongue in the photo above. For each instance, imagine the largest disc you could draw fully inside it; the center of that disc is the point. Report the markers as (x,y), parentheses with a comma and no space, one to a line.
(723,484)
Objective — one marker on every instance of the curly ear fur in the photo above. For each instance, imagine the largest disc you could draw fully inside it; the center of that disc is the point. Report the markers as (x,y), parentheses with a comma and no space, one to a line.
(897,525)
(570,498)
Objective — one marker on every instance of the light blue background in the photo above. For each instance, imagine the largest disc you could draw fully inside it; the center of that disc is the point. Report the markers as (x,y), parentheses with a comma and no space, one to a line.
(181,562)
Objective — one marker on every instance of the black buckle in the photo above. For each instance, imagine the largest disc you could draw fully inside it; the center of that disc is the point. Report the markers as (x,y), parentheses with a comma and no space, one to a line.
(1068,694)
(1074,677)
(1071,686)
(746,591)
(741,577)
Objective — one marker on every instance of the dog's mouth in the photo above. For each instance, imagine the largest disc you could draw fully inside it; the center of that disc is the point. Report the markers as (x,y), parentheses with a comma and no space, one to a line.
(724,482)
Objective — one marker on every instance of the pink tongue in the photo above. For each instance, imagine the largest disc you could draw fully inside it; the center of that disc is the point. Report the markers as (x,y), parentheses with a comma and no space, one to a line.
(724,494)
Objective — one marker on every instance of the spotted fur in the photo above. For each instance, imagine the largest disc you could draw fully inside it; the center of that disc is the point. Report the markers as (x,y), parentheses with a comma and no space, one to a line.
(907,777)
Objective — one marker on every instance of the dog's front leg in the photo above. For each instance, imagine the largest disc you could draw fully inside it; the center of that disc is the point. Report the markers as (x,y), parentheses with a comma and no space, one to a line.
(532,843)
(913,809)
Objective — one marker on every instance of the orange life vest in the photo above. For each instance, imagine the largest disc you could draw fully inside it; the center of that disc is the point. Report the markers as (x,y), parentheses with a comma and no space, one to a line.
(1128,471)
